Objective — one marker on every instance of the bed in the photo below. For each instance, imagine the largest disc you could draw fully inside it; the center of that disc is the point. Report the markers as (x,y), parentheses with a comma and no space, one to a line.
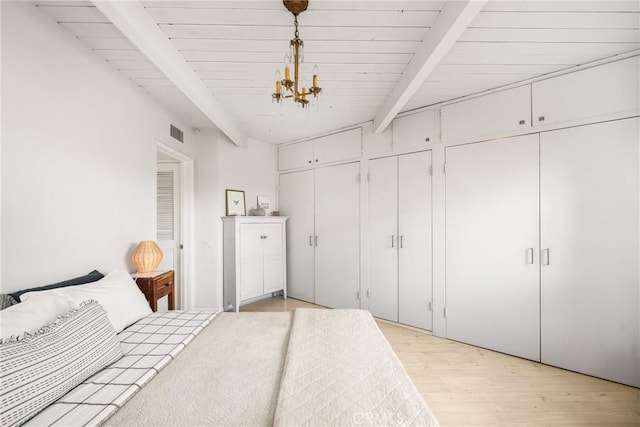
(308,367)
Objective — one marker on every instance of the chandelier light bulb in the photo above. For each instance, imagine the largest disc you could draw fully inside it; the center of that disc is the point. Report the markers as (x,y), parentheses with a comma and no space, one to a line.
(315,76)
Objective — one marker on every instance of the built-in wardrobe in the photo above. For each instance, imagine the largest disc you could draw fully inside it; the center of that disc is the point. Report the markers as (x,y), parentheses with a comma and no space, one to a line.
(508,220)
(542,230)
(323,233)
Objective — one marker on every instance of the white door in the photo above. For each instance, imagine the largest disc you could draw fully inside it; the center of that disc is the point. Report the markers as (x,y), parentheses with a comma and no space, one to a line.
(415,130)
(295,155)
(415,246)
(498,113)
(273,272)
(168,225)
(296,200)
(338,146)
(590,236)
(251,265)
(383,238)
(337,227)
(492,282)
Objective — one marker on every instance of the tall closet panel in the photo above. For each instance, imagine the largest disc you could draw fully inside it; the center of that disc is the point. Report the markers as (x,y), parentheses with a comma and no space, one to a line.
(590,236)
(383,238)
(337,225)
(297,202)
(492,235)
(400,242)
(415,240)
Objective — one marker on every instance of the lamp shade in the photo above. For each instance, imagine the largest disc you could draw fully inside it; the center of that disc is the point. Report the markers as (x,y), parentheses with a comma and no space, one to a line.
(146,256)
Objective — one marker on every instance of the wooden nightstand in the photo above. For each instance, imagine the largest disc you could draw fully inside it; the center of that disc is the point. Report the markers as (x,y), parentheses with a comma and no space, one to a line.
(155,285)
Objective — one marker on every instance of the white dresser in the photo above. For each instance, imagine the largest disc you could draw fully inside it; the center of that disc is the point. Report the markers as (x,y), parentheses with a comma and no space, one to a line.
(254,258)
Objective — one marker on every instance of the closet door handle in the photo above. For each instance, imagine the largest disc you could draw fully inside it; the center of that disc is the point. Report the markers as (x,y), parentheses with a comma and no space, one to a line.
(546,256)
(316,240)
(310,240)
(393,244)
(530,256)
(401,238)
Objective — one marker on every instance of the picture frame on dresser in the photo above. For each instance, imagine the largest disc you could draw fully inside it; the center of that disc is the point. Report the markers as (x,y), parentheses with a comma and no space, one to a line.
(235,203)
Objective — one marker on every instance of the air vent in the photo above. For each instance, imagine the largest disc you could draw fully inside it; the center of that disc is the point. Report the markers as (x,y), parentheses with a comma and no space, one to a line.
(177,133)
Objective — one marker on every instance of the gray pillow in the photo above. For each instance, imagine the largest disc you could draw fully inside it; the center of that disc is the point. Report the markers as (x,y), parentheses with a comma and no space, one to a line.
(93,276)
(6,300)
(38,369)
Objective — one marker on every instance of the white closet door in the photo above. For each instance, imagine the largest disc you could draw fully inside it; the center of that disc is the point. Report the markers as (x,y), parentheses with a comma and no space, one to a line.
(273,272)
(414,219)
(338,236)
(492,205)
(296,201)
(251,261)
(383,238)
(590,280)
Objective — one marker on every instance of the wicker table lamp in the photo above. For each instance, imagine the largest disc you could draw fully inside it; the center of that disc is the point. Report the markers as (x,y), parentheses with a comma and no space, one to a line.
(146,256)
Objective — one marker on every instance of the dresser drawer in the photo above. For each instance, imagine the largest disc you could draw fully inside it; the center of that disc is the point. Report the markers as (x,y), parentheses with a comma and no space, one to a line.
(164,285)
(157,286)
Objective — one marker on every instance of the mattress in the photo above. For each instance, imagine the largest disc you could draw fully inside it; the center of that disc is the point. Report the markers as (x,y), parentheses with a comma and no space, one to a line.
(310,367)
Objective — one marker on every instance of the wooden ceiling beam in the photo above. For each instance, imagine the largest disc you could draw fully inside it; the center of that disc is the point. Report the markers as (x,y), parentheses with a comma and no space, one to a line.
(452,21)
(131,18)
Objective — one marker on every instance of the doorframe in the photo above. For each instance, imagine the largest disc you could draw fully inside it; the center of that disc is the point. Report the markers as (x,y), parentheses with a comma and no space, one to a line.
(187,257)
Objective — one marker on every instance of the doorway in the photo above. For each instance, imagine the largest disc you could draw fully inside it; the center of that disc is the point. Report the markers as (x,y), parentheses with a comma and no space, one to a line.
(174,187)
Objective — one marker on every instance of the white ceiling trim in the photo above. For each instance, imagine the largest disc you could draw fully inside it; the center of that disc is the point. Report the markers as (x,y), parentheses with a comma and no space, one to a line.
(448,27)
(138,26)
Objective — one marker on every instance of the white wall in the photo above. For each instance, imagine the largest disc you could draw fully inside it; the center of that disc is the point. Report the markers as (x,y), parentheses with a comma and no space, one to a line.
(78,161)
(220,165)
(206,213)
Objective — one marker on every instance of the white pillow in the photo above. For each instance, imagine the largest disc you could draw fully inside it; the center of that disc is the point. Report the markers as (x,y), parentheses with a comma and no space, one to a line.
(116,292)
(29,316)
(39,369)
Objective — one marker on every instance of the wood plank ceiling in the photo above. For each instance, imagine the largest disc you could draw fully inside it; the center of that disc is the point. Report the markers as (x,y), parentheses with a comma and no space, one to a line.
(361,48)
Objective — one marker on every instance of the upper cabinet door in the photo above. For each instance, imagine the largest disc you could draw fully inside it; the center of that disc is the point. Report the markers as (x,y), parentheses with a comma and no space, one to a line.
(601,91)
(339,146)
(295,156)
(415,130)
(498,114)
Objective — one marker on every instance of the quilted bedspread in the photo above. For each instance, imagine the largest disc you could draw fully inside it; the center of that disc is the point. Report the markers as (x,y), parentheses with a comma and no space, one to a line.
(340,370)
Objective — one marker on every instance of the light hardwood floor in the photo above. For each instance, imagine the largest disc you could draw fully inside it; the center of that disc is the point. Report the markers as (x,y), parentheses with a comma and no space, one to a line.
(470,386)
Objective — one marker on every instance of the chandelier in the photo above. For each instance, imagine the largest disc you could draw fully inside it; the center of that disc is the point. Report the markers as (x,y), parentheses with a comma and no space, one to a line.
(287,88)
